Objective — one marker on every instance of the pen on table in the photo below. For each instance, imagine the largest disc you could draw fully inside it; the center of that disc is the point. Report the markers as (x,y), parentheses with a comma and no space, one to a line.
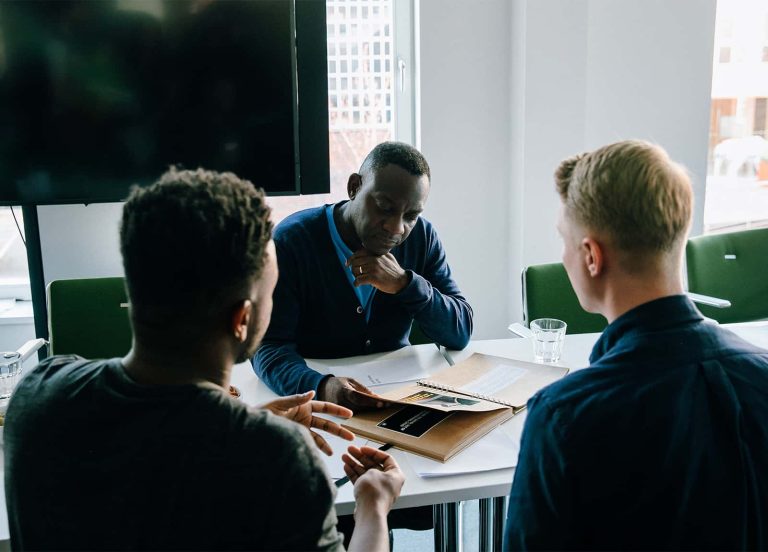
(344,480)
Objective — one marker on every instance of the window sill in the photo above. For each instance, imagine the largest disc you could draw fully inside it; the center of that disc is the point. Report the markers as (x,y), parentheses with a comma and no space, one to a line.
(16,312)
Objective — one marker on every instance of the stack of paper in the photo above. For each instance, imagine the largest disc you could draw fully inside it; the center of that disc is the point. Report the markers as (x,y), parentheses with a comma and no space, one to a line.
(495,451)
(395,367)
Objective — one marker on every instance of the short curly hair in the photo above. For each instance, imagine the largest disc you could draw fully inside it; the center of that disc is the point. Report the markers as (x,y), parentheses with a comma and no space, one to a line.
(192,238)
(401,154)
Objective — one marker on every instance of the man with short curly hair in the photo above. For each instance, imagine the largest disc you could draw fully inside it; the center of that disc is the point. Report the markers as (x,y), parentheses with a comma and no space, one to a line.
(661,442)
(150,451)
(356,275)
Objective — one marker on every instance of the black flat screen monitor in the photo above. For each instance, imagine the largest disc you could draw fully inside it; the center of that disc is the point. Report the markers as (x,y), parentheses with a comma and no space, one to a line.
(98,95)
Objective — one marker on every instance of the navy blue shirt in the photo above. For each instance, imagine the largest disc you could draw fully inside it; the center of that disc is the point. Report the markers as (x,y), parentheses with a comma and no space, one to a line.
(661,443)
(316,313)
(364,292)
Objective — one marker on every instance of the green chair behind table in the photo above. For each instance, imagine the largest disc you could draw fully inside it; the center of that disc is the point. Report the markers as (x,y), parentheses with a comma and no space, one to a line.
(731,266)
(88,317)
(548,293)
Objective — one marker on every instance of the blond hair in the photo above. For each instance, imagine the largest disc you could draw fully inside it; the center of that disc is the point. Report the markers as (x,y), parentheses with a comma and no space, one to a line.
(632,192)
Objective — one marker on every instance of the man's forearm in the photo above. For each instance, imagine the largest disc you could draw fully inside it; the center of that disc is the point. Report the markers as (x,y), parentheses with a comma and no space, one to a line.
(448,320)
(284,370)
(443,317)
(371,531)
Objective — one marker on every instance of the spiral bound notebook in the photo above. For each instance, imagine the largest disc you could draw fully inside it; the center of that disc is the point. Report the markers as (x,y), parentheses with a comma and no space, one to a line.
(457,405)
(479,384)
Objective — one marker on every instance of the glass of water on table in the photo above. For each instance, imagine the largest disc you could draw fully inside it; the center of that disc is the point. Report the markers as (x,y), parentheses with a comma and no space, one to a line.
(10,373)
(548,338)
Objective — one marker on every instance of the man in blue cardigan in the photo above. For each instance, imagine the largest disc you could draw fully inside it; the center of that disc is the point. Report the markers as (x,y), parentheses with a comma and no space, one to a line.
(355,275)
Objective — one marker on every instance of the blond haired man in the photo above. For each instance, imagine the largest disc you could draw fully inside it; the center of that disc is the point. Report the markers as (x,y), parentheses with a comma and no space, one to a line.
(662,442)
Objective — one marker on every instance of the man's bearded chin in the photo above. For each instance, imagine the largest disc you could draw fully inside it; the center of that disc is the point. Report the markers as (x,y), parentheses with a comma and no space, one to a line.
(248,350)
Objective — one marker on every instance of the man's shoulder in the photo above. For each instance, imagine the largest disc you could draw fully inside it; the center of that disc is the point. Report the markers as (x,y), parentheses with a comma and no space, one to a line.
(424,228)
(567,393)
(59,370)
(305,222)
(423,237)
(689,345)
(651,369)
(61,363)
(590,396)
(726,342)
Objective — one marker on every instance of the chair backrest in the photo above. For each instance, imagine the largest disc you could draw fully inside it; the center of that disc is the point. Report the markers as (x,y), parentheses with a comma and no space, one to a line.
(88,317)
(731,266)
(548,293)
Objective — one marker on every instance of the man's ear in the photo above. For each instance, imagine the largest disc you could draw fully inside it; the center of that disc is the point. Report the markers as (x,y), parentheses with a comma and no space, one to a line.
(593,256)
(241,318)
(354,184)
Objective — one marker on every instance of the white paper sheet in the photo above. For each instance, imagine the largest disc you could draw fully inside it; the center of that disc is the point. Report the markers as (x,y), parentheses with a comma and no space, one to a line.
(385,371)
(495,451)
(493,381)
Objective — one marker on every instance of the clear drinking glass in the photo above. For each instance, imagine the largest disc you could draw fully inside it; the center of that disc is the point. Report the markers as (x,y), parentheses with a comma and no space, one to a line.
(10,372)
(548,338)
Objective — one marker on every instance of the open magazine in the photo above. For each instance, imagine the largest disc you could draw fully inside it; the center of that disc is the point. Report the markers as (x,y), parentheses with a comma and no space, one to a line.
(459,404)
(479,384)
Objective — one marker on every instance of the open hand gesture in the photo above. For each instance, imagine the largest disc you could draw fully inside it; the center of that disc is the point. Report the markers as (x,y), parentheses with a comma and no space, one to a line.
(376,476)
(301,409)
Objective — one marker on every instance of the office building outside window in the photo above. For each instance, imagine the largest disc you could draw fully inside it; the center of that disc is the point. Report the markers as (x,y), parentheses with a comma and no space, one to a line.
(737,175)
(14,273)
(361,93)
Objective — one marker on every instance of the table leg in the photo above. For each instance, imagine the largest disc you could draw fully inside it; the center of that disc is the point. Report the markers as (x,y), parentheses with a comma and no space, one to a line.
(447,519)
(439,520)
(497,521)
(486,528)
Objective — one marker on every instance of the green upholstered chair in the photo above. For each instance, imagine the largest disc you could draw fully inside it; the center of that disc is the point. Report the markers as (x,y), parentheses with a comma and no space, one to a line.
(734,267)
(547,293)
(88,317)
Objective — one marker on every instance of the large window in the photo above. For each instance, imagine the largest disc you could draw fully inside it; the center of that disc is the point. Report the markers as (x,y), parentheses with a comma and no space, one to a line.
(14,274)
(737,176)
(369,89)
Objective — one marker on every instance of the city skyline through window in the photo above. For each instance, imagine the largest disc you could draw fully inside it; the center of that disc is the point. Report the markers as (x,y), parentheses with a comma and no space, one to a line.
(361,103)
(737,171)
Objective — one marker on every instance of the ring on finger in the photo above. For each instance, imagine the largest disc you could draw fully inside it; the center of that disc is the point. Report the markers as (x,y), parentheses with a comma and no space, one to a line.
(360,268)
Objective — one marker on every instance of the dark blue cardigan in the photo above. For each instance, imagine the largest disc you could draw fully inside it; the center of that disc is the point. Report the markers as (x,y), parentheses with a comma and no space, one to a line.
(316,313)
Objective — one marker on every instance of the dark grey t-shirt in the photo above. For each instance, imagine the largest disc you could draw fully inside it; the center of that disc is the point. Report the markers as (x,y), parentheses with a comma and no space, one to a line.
(94,460)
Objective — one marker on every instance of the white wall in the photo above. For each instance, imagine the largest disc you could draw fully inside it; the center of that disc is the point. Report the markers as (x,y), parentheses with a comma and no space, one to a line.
(80,241)
(578,74)
(465,111)
(549,71)
(508,89)
(649,75)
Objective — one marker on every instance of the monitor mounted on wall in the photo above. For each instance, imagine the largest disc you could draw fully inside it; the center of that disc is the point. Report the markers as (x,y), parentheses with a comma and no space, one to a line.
(96,96)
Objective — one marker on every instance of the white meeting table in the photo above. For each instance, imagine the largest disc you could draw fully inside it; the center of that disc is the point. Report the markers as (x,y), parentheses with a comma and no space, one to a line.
(451,489)
(489,487)
(447,491)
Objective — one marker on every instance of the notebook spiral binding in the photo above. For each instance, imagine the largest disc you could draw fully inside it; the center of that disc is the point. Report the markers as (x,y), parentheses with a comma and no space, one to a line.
(441,387)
